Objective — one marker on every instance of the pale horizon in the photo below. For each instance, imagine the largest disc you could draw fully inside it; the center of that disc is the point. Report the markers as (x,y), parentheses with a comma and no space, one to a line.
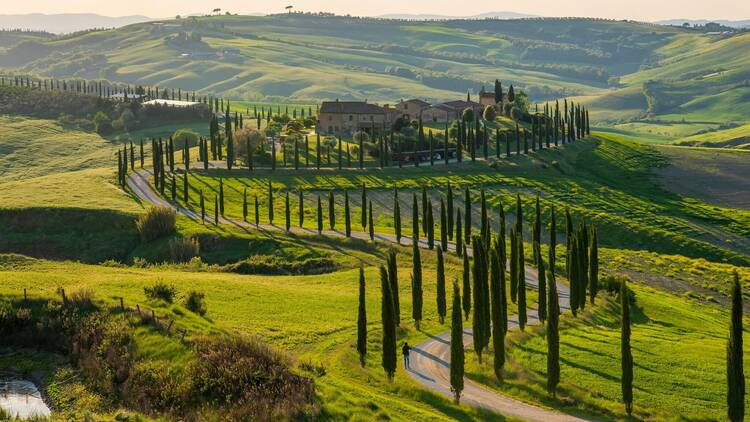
(643,10)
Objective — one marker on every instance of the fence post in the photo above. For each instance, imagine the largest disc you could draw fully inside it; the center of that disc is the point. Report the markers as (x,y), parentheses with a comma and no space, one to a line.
(153,316)
(169,327)
(64,299)
(138,308)
(122,304)
(25,297)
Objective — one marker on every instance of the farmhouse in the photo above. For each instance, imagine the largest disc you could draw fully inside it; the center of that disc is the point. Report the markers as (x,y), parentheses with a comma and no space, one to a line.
(346,117)
(411,108)
(446,112)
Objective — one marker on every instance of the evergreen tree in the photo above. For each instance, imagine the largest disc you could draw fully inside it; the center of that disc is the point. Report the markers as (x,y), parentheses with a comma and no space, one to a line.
(287,213)
(362,319)
(216,210)
(414,219)
(257,210)
(467,216)
(364,206)
(498,323)
(393,282)
(552,239)
(626,354)
(479,275)
(244,204)
(270,203)
(466,285)
(320,216)
(513,266)
(457,346)
(424,211)
(537,233)
(203,207)
(221,197)
(430,226)
(440,286)
(396,215)
(443,228)
(331,211)
(735,370)
(542,306)
(553,335)
(521,283)
(459,236)
(347,215)
(371,227)
(449,211)
(416,286)
(301,211)
(389,326)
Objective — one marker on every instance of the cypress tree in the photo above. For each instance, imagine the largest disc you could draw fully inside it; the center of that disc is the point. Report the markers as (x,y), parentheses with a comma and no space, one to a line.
(320,216)
(347,215)
(553,336)
(521,283)
(396,215)
(735,370)
(513,266)
(593,266)
(287,212)
(626,354)
(364,206)
(362,320)
(301,207)
(244,204)
(573,276)
(317,151)
(371,227)
(270,203)
(466,285)
(216,210)
(257,210)
(457,346)
(414,219)
(440,286)
(389,326)
(479,274)
(537,233)
(467,216)
(542,306)
(203,207)
(393,282)
(459,236)
(424,211)
(173,188)
(416,286)
(430,226)
(552,239)
(483,214)
(449,211)
(443,228)
(331,211)
(498,324)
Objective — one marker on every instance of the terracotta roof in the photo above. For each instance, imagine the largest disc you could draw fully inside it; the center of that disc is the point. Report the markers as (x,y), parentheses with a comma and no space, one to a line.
(418,102)
(350,107)
(458,105)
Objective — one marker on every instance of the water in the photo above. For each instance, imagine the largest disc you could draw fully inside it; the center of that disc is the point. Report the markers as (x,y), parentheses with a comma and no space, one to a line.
(22,399)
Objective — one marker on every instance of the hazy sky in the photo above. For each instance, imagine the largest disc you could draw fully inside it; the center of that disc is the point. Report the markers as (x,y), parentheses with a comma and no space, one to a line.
(620,9)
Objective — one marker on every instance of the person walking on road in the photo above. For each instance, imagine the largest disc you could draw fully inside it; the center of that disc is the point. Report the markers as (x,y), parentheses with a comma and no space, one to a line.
(405,351)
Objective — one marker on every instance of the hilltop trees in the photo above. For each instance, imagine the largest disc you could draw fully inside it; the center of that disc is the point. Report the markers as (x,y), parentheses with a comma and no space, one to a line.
(735,370)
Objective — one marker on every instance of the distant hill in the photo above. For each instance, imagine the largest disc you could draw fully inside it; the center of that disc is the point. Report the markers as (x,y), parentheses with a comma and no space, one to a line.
(67,22)
(488,15)
(734,24)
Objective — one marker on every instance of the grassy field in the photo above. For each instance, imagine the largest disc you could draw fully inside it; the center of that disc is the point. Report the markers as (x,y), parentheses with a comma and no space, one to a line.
(736,137)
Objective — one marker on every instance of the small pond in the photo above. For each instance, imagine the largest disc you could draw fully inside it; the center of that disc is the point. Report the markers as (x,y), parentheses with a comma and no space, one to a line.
(22,399)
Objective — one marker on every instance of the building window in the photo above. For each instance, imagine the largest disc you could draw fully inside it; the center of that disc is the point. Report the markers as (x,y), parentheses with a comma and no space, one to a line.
(351,117)
(330,118)
(330,129)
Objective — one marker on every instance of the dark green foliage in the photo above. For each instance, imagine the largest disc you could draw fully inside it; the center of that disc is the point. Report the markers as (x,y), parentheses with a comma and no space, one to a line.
(457,345)
(320,216)
(499,319)
(443,226)
(625,352)
(440,286)
(270,203)
(389,320)
(416,286)
(414,219)
(396,215)
(203,207)
(362,320)
(553,335)
(467,216)
(195,302)
(371,227)
(537,233)
(480,321)
(156,222)
(735,370)
(301,212)
(287,212)
(466,285)
(257,210)
(513,266)
(552,239)
(216,210)
(393,282)
(244,204)
(430,226)
(424,211)
(449,211)
(331,211)
(160,291)
(347,215)
(364,206)
(459,237)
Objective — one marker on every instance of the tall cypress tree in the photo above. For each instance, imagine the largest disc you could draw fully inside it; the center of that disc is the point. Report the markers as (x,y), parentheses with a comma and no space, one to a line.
(735,370)
(257,211)
(440,286)
(203,207)
(362,319)
(430,226)
(457,346)
(364,207)
(320,216)
(443,226)
(552,239)
(466,285)
(301,204)
(370,226)
(396,215)
(498,324)
(416,286)
(270,203)
(244,204)
(553,335)
(287,213)
(331,211)
(414,219)
(537,233)
(478,273)
(388,314)
(513,266)
(393,282)
(626,354)
(347,215)
(424,211)
(467,216)
(216,210)
(449,211)
(542,306)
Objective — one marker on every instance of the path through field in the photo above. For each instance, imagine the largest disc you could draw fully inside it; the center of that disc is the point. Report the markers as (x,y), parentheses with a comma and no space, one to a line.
(430,364)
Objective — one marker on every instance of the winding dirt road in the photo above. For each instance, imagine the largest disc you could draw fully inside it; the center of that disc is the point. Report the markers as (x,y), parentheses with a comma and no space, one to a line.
(430,360)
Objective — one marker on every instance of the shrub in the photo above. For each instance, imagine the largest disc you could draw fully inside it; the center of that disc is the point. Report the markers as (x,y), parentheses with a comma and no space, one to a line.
(155,223)
(183,250)
(240,138)
(82,299)
(195,302)
(182,135)
(272,265)
(249,377)
(161,291)
(490,113)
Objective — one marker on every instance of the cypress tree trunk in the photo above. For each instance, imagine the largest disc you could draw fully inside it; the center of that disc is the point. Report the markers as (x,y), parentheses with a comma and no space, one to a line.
(457,346)
(430,226)
(440,286)
(459,236)
(364,206)
(301,208)
(396,215)
(257,211)
(362,320)
(414,219)
(389,326)
(627,356)
(498,325)
(393,282)
(270,203)
(371,226)
(331,211)
(347,215)
(466,285)
(449,212)
(287,212)
(467,216)
(553,336)
(735,370)
(416,286)
(593,266)
(320,216)
(443,226)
